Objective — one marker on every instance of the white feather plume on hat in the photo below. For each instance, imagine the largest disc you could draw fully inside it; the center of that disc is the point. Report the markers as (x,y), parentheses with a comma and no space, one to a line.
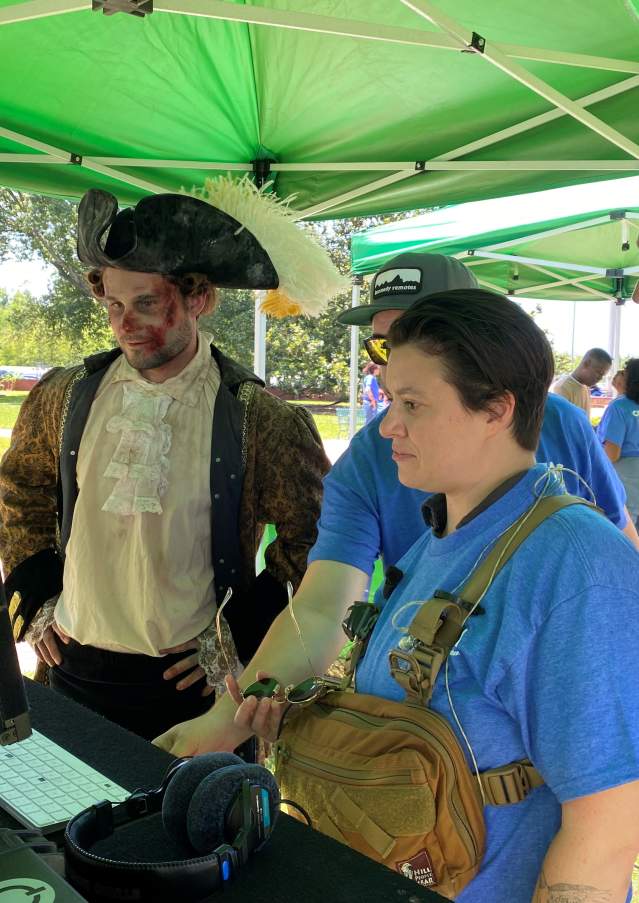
(307,276)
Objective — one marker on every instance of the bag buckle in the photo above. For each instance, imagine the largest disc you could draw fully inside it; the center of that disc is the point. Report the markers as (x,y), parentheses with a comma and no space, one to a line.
(415,671)
(508,784)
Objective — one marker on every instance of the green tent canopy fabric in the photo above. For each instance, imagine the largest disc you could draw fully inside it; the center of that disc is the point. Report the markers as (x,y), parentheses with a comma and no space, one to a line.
(363,106)
(577,243)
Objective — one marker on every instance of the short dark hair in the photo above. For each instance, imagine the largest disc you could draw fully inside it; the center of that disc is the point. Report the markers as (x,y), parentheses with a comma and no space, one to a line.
(489,346)
(370,367)
(631,371)
(599,354)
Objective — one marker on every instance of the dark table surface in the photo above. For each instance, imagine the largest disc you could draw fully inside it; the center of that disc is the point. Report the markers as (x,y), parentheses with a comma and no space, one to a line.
(298,864)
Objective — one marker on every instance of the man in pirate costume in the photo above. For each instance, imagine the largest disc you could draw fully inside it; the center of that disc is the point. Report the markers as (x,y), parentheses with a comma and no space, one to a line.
(137,485)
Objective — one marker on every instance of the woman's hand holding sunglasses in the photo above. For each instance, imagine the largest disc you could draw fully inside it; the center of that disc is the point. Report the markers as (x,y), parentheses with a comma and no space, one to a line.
(260,714)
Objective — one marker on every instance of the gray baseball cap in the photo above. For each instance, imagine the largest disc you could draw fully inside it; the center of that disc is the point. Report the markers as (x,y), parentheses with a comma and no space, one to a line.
(408,278)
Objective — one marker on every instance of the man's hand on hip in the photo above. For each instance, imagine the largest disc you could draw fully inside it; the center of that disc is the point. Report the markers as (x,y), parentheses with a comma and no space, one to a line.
(188,664)
(47,649)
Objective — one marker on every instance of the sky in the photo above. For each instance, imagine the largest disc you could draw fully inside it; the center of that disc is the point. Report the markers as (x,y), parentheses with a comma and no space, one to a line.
(591,318)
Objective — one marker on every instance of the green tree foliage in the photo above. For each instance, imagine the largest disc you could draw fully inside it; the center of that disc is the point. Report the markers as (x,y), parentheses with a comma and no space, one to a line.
(65,323)
(564,362)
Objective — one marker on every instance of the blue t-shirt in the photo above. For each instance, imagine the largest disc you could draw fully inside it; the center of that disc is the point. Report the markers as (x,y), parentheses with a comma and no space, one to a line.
(620,424)
(548,672)
(366,511)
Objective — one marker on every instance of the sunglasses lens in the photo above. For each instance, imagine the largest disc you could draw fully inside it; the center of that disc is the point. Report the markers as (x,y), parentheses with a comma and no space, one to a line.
(377,350)
(261,689)
(304,692)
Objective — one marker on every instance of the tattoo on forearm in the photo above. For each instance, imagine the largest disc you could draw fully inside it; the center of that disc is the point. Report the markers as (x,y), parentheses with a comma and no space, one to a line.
(569,893)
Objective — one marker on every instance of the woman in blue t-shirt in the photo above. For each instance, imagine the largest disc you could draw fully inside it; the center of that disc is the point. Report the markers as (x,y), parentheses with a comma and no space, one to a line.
(547,666)
(619,433)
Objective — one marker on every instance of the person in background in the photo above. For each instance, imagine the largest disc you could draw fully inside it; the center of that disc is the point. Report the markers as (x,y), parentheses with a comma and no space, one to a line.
(619,433)
(576,386)
(370,391)
(619,382)
(136,488)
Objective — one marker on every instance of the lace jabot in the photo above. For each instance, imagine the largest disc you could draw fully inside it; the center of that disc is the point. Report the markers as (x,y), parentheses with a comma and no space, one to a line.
(140,462)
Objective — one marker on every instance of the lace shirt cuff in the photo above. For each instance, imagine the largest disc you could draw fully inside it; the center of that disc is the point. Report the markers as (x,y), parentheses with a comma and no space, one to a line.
(212,658)
(41,622)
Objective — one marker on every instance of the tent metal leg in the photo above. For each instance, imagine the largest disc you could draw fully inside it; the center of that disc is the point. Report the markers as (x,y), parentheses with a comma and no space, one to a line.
(354,370)
(259,337)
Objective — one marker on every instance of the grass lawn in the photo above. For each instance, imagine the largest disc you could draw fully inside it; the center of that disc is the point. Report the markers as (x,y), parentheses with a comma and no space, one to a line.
(9,406)
(328,426)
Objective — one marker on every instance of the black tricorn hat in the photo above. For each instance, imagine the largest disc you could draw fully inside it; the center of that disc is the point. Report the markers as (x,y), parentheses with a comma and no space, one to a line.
(172,234)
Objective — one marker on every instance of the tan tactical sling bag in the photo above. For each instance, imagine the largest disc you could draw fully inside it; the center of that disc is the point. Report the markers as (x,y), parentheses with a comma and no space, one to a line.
(390,779)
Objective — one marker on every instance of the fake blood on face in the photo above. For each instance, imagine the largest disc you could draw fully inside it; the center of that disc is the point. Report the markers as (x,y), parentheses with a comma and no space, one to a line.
(157,334)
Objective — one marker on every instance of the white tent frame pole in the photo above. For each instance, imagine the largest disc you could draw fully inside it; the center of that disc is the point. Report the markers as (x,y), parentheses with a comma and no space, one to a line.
(557,284)
(614,334)
(575,281)
(493,55)
(470,261)
(86,164)
(259,337)
(490,285)
(558,264)
(32,158)
(40,9)
(408,167)
(253,15)
(586,288)
(354,363)
(549,233)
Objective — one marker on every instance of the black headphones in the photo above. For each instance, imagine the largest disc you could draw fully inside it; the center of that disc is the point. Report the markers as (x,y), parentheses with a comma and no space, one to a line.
(216,809)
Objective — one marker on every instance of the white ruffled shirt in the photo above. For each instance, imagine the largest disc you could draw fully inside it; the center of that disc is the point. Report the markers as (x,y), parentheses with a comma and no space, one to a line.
(138,574)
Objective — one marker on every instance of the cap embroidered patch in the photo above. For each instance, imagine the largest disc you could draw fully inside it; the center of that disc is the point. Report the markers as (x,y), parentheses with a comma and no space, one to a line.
(405,281)
(419,869)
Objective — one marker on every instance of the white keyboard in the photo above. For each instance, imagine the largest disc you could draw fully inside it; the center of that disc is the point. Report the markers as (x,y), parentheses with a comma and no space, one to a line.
(43,786)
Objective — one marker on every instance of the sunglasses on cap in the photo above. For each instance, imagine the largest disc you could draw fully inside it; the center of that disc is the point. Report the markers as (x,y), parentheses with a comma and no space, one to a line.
(268,688)
(377,349)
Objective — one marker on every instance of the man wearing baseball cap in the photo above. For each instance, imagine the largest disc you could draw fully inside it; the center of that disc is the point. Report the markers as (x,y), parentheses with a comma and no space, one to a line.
(366,512)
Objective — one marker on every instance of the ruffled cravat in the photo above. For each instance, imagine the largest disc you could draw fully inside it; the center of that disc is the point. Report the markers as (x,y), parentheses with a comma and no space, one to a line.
(140,463)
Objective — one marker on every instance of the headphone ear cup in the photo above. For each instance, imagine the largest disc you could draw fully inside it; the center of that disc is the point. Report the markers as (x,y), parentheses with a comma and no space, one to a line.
(207,819)
(183,785)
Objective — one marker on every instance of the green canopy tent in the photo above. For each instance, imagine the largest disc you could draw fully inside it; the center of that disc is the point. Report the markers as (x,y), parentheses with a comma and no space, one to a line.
(577,244)
(352,106)
(362,106)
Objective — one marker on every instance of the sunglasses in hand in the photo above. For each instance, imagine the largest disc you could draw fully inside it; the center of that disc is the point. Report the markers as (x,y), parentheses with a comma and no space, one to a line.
(269,688)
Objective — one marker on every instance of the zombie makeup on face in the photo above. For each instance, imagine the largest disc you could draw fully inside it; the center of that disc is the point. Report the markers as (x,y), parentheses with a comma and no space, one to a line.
(153,324)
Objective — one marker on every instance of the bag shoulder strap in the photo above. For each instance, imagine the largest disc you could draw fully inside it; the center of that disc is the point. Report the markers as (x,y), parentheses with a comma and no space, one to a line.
(440,621)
